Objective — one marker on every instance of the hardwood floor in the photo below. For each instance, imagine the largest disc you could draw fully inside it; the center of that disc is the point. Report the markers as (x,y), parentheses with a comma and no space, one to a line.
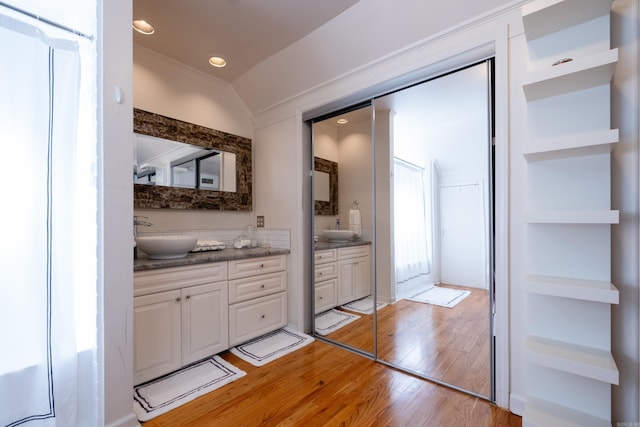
(323,385)
(448,344)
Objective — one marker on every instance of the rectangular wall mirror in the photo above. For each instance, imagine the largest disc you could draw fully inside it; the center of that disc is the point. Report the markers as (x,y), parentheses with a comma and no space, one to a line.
(181,165)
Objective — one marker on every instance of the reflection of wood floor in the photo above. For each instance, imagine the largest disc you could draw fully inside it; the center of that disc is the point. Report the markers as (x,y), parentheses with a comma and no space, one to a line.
(323,385)
(449,344)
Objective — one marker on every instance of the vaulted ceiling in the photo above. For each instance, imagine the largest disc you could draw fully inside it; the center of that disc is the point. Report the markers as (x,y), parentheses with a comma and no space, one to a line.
(244,32)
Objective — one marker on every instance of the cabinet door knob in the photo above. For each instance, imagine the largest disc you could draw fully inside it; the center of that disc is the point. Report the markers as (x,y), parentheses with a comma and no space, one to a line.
(261,265)
(188,296)
(321,298)
(263,316)
(320,273)
(262,286)
(178,299)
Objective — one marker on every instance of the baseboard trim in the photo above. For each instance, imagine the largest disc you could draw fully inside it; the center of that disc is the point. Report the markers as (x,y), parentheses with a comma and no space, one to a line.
(516,404)
(129,420)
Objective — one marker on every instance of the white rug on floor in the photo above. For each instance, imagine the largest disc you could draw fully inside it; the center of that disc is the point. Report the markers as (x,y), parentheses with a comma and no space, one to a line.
(363,305)
(445,297)
(332,320)
(163,394)
(271,346)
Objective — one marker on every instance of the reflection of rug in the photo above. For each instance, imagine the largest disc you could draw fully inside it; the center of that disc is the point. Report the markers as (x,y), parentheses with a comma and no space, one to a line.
(332,320)
(363,305)
(158,396)
(445,297)
(262,350)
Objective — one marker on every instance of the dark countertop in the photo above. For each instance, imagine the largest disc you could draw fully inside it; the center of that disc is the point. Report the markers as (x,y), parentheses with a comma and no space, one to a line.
(321,245)
(144,263)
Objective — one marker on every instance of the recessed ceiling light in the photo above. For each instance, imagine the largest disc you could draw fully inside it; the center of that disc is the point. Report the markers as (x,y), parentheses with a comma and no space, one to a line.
(342,121)
(217,61)
(142,26)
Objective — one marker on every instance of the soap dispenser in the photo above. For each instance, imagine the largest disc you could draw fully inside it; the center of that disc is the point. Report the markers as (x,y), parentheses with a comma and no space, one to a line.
(244,239)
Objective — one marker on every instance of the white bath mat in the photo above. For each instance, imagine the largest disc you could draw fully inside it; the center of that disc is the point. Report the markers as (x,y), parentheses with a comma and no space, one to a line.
(445,297)
(271,346)
(363,305)
(332,320)
(158,396)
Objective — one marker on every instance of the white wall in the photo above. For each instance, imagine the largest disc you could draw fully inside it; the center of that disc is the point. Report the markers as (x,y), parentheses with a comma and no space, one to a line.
(115,212)
(355,181)
(278,197)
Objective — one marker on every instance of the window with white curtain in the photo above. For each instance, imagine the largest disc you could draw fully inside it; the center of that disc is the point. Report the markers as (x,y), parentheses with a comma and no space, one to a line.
(410,226)
(48,273)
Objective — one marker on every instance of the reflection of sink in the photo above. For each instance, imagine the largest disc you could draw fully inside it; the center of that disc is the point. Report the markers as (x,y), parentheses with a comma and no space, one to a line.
(337,235)
(166,247)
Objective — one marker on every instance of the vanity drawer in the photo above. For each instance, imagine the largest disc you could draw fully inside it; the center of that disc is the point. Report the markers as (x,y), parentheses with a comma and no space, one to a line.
(166,279)
(250,319)
(353,251)
(326,295)
(254,266)
(325,271)
(253,287)
(324,256)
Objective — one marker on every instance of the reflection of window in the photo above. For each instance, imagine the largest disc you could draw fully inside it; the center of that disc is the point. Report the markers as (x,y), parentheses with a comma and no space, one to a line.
(201,172)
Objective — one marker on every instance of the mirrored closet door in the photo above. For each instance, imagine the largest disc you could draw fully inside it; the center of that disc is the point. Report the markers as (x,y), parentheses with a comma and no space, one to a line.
(439,142)
(413,189)
(343,288)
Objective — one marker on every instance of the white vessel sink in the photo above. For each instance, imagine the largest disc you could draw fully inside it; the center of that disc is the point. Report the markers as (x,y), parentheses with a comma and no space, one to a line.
(166,247)
(337,235)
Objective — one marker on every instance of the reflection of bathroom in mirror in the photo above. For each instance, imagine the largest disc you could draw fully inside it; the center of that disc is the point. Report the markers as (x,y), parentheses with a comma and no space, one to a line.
(430,226)
(321,186)
(325,186)
(160,161)
(343,285)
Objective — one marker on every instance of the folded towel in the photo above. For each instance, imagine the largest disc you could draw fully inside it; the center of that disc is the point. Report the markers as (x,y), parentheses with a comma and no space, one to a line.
(208,245)
(355,221)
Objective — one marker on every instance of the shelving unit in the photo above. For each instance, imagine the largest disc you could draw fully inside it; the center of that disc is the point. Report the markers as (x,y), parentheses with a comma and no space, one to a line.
(577,74)
(567,149)
(581,289)
(584,144)
(573,217)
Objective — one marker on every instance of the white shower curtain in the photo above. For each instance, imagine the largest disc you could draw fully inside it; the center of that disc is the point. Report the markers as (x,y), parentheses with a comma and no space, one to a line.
(410,225)
(46,278)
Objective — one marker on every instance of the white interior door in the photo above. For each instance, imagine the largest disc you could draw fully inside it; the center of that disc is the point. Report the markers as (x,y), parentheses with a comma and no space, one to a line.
(462,236)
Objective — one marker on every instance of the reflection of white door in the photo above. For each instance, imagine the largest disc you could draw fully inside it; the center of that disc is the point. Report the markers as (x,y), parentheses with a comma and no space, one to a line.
(462,236)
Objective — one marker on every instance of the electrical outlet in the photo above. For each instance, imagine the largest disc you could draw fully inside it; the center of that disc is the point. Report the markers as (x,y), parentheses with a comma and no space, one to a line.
(260,221)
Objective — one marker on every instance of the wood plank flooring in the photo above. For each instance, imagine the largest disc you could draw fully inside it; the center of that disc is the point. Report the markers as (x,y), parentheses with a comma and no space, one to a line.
(323,385)
(448,344)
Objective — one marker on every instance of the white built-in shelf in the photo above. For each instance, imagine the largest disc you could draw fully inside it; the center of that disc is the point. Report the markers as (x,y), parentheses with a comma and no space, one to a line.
(573,217)
(542,413)
(588,362)
(580,73)
(543,17)
(583,144)
(580,289)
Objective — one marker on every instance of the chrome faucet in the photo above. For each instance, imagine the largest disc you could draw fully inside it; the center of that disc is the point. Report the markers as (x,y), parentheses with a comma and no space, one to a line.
(138,220)
(337,223)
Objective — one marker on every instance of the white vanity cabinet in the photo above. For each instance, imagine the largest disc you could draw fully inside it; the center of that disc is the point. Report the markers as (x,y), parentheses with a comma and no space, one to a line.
(257,297)
(325,280)
(180,316)
(354,273)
